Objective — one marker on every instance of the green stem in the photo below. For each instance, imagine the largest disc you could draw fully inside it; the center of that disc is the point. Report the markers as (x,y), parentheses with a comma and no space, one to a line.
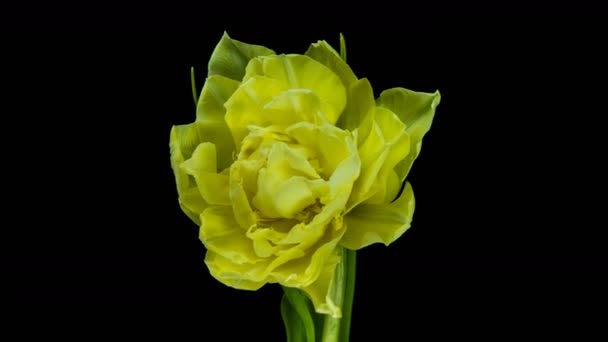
(342,47)
(349,293)
(342,293)
(193,85)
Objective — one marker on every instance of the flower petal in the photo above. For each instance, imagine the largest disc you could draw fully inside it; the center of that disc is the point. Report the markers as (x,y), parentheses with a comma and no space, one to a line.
(303,72)
(183,140)
(323,53)
(359,109)
(239,276)
(210,116)
(239,172)
(319,290)
(288,184)
(416,110)
(248,101)
(230,57)
(292,106)
(203,167)
(398,147)
(371,223)
(331,144)
(321,252)
(386,144)
(221,234)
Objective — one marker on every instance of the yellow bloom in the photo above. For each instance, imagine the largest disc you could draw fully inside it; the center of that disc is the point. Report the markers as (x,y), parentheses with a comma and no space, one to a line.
(291,158)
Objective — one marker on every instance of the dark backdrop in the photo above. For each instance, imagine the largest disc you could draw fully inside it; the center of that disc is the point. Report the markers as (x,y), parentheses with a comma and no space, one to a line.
(508,185)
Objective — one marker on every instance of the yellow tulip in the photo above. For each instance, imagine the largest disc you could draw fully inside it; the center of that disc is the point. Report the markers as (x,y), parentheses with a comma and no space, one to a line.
(289,160)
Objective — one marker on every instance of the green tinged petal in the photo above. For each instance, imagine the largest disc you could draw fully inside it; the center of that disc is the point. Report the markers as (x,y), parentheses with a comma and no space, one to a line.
(358,114)
(183,140)
(398,147)
(386,145)
(319,291)
(203,167)
(416,110)
(210,115)
(323,53)
(371,223)
(230,57)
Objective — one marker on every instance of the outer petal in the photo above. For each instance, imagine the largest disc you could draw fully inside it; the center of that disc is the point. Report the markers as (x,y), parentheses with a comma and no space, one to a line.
(358,113)
(398,148)
(386,145)
(319,291)
(416,110)
(230,57)
(323,53)
(202,166)
(221,234)
(182,142)
(371,223)
(240,276)
(303,72)
(210,115)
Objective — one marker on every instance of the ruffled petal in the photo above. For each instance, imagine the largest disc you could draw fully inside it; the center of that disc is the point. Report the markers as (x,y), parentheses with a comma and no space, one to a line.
(386,144)
(203,167)
(331,144)
(303,72)
(239,276)
(371,223)
(210,117)
(323,53)
(245,106)
(183,140)
(416,110)
(230,57)
(221,234)
(358,114)
(288,184)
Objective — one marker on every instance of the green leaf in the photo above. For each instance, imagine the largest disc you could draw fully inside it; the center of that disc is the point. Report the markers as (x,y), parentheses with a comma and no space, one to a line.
(298,316)
(193,85)
(342,47)
(416,110)
(350,258)
(230,57)
(293,325)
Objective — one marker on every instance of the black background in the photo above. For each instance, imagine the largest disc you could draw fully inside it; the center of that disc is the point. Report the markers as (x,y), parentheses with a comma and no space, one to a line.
(509,189)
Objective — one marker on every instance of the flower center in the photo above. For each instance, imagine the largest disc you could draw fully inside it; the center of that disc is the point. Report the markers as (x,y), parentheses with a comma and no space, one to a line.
(283,176)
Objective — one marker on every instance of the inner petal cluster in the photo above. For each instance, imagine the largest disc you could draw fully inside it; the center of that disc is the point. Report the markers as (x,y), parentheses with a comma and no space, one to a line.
(282,184)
